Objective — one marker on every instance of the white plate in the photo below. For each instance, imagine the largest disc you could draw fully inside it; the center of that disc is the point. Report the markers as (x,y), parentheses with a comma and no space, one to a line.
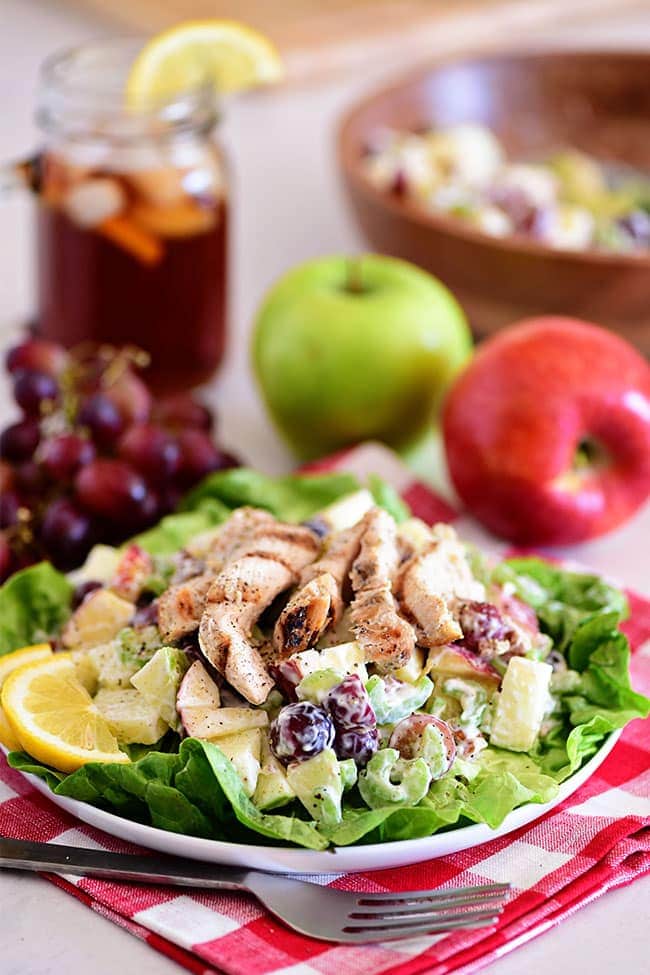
(283,859)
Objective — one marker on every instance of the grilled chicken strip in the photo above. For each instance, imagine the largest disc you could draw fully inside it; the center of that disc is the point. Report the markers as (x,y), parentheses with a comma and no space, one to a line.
(243,525)
(307,614)
(180,607)
(247,530)
(431,582)
(387,639)
(340,552)
(240,593)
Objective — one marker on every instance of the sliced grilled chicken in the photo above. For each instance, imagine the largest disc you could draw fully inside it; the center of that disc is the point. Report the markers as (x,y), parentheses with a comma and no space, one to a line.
(431,582)
(240,593)
(387,639)
(305,617)
(180,607)
(340,552)
(242,526)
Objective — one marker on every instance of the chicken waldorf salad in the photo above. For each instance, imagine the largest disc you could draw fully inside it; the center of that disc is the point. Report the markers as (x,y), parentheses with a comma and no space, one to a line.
(301,659)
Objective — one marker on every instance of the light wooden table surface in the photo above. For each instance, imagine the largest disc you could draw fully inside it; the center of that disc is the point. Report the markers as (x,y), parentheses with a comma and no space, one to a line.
(292,173)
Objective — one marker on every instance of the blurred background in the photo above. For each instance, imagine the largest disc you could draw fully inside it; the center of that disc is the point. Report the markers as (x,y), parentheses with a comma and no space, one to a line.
(281,143)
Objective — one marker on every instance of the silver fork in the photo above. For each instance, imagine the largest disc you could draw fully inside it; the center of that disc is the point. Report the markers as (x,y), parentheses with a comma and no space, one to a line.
(319,912)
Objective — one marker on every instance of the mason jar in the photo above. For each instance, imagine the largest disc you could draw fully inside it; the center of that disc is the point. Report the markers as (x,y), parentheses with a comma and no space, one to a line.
(131,217)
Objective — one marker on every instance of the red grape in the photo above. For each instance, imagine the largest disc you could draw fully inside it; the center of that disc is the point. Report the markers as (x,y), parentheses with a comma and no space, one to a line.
(9,505)
(113,490)
(64,455)
(82,590)
(349,704)
(407,736)
(34,391)
(300,731)
(47,357)
(131,397)
(20,440)
(6,476)
(357,743)
(181,411)
(102,418)
(67,533)
(30,478)
(151,451)
(199,457)
(5,558)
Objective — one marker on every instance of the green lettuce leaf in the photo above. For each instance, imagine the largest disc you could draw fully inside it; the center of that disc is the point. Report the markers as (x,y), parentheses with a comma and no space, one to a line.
(195,791)
(562,599)
(34,603)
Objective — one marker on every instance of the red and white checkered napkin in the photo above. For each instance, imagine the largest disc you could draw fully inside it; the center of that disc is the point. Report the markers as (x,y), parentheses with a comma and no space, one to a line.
(598,839)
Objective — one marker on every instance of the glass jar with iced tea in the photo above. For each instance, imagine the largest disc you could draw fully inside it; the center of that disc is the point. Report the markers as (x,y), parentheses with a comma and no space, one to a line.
(131,217)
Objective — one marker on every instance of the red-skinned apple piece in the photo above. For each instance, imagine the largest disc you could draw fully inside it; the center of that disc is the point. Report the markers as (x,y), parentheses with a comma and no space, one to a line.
(547,432)
(451,661)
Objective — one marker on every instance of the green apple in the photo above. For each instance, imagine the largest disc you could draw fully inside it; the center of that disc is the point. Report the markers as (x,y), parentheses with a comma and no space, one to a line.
(350,349)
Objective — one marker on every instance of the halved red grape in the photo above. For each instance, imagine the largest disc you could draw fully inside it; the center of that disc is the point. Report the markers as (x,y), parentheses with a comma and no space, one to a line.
(67,533)
(47,357)
(300,731)
(407,736)
(35,391)
(151,451)
(20,440)
(180,411)
(349,704)
(113,490)
(103,419)
(357,743)
(64,455)
(82,590)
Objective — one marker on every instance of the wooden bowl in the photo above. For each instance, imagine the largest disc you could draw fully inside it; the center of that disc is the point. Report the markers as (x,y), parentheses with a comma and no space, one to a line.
(534,103)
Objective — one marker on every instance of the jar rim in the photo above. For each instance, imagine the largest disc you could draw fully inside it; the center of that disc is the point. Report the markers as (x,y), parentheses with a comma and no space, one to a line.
(88,79)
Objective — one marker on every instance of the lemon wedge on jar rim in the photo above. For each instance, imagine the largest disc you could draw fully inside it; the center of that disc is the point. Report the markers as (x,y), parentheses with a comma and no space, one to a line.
(224,53)
(10,661)
(54,718)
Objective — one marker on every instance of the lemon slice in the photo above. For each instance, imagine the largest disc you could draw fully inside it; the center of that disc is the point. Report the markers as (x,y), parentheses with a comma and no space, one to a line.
(26,655)
(53,716)
(223,53)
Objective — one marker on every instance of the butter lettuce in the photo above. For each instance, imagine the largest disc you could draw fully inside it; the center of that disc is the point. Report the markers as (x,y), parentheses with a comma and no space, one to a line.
(34,603)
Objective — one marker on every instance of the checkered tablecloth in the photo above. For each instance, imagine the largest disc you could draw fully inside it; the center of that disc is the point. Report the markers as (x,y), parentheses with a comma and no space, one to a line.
(596,840)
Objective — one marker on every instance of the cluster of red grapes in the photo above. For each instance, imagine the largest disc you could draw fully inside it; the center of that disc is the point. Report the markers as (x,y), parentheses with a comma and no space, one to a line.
(93,457)
(346,722)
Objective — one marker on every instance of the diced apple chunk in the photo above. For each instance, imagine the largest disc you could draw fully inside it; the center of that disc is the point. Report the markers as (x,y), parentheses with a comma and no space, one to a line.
(130,717)
(110,669)
(100,565)
(453,661)
(272,789)
(414,668)
(521,704)
(131,573)
(244,751)
(197,689)
(215,723)
(159,679)
(100,617)
(346,512)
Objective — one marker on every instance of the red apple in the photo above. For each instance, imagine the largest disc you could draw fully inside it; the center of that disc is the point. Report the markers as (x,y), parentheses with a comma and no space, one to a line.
(453,661)
(547,432)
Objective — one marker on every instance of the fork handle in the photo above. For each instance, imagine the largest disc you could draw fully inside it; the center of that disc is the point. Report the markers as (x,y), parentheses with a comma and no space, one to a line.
(155,869)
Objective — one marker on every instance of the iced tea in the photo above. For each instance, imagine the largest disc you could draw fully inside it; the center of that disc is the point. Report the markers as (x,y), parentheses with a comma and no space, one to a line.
(136,256)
